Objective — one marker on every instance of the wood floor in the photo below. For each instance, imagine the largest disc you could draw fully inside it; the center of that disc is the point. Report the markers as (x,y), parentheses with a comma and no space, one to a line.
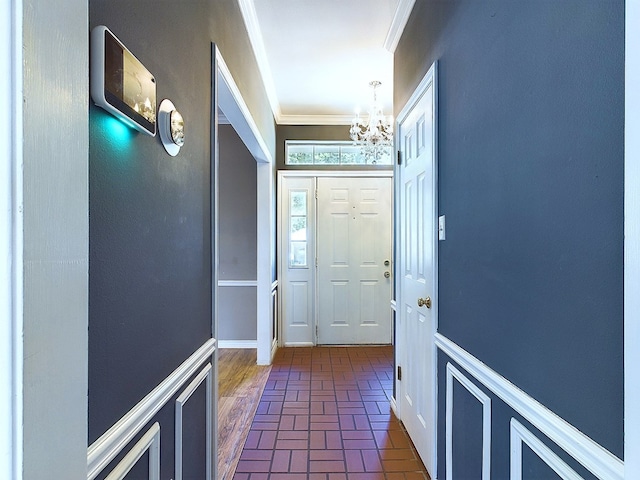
(240,386)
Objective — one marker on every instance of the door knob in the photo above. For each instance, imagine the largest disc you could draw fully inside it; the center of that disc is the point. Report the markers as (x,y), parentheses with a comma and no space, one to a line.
(424,302)
(387,274)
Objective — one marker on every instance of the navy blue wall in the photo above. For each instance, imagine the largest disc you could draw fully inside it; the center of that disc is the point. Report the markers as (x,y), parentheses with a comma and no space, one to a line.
(150,240)
(531,99)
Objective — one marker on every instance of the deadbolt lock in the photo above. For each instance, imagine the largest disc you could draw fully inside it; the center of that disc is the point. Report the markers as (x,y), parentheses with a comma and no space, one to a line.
(424,302)
(387,263)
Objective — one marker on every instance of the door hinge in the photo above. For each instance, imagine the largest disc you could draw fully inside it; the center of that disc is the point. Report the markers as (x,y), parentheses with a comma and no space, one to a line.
(316,333)
(399,372)
(316,193)
(399,157)
(316,261)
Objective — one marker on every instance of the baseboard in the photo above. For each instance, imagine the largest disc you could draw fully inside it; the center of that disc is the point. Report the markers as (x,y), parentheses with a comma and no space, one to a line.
(394,407)
(237,344)
(298,344)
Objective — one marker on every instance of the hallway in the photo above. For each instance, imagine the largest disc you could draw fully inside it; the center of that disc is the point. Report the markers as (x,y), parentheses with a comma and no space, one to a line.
(325,415)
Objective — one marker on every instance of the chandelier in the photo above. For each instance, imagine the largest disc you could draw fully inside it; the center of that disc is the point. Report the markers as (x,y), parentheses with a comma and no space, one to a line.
(374,136)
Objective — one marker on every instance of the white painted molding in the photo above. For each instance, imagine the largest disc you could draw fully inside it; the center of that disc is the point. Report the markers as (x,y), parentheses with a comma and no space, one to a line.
(11,241)
(248,11)
(520,435)
(394,407)
(299,344)
(632,242)
(453,372)
(275,322)
(110,443)
(430,76)
(398,23)
(589,453)
(205,374)
(274,348)
(150,441)
(315,120)
(236,111)
(237,283)
(222,344)
(333,173)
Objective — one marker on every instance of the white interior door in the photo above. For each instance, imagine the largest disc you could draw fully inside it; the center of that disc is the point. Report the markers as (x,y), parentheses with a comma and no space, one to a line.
(417,270)
(353,261)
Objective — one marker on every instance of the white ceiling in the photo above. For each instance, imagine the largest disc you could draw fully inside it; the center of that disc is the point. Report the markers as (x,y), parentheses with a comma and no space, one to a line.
(317,57)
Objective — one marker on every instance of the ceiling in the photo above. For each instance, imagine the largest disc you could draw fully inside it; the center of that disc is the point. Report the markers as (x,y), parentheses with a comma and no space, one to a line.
(318,57)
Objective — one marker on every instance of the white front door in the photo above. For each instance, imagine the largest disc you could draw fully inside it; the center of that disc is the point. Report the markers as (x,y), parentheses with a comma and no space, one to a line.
(354,260)
(417,271)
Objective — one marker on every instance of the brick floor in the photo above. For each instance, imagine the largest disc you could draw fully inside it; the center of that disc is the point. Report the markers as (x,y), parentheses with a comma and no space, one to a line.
(325,415)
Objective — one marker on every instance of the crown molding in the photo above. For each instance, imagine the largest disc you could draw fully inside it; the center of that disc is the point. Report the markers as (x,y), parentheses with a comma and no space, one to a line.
(314,119)
(248,11)
(397,25)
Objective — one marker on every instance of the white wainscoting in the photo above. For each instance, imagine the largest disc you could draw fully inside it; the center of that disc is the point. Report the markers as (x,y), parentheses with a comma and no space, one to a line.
(453,372)
(594,457)
(519,436)
(150,441)
(101,452)
(205,374)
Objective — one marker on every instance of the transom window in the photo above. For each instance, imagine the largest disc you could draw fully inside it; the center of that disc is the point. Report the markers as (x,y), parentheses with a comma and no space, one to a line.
(303,152)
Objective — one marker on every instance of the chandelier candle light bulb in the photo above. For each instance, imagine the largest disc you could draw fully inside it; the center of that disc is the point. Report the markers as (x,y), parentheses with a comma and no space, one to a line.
(375,135)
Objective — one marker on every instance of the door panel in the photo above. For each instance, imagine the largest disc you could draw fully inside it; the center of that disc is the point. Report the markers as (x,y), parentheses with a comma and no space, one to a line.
(417,273)
(297,258)
(353,241)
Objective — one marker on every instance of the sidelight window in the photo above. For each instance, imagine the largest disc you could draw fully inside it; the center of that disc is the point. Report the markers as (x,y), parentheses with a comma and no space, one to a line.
(298,242)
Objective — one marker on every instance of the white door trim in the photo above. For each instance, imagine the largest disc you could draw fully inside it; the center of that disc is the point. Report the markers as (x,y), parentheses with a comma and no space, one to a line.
(632,242)
(232,103)
(11,297)
(431,77)
(335,173)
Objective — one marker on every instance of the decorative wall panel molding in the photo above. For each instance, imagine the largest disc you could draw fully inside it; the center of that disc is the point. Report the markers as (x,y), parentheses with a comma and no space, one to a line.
(590,454)
(101,452)
(205,374)
(453,372)
(519,436)
(150,441)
